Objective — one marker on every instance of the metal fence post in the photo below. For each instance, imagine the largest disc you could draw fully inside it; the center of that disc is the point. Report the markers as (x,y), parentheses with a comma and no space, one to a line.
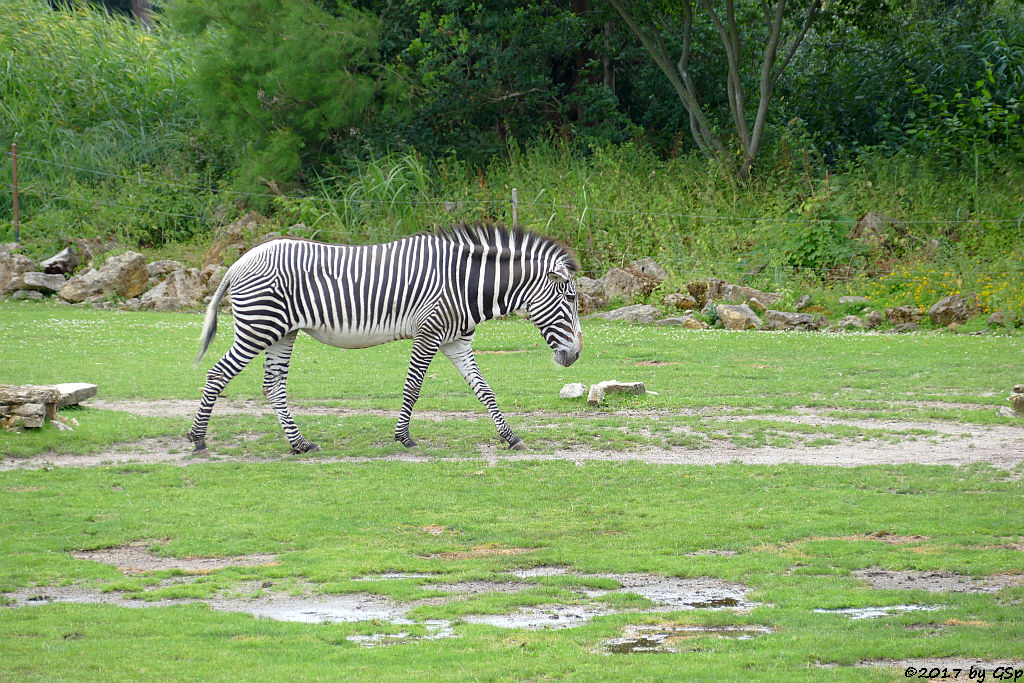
(14,187)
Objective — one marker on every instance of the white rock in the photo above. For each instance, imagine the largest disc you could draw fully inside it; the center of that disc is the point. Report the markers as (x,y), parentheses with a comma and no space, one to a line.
(573,390)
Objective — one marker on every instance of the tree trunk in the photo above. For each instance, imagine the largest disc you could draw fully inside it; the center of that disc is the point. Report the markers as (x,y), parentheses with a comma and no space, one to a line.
(142,10)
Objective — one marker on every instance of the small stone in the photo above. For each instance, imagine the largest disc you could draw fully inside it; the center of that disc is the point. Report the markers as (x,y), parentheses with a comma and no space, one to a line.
(844,300)
(802,303)
(573,390)
(874,319)
(850,322)
(28,294)
(905,327)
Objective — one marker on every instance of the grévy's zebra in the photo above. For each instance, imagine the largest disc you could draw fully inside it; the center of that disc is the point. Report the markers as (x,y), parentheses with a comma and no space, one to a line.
(433,288)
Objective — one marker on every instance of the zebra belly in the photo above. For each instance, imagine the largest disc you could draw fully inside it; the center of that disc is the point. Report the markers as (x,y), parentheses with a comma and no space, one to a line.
(353,339)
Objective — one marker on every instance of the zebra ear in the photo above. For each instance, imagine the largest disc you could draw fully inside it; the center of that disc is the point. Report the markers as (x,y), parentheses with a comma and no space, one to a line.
(559,274)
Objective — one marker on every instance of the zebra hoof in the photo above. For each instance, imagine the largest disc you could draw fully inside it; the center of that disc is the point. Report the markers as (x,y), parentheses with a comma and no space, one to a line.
(198,443)
(517,445)
(408,442)
(308,447)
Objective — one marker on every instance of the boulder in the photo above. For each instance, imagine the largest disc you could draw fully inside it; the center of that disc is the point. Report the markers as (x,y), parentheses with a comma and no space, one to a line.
(738,317)
(573,390)
(903,314)
(589,286)
(1001,319)
(850,322)
(158,268)
(1016,400)
(123,275)
(29,294)
(619,282)
(802,303)
(872,228)
(597,391)
(713,289)
(683,302)
(181,289)
(784,320)
(64,262)
(649,268)
(637,313)
(42,282)
(687,321)
(874,319)
(12,267)
(845,300)
(233,240)
(952,309)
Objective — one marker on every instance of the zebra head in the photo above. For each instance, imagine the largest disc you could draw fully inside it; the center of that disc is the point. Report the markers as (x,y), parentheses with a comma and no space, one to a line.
(555,312)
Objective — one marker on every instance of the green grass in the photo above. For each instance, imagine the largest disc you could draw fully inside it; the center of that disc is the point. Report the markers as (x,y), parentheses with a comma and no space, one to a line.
(795,533)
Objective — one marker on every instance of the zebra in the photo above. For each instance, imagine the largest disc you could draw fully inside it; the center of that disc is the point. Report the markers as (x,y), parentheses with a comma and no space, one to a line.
(432,287)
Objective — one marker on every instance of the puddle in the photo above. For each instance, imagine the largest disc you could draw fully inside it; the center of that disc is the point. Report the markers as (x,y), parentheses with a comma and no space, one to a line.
(546,617)
(936,581)
(877,612)
(665,637)
(667,594)
(135,558)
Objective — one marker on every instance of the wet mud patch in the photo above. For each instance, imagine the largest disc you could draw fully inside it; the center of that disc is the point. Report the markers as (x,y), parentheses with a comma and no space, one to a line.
(876,612)
(136,558)
(665,594)
(671,637)
(936,581)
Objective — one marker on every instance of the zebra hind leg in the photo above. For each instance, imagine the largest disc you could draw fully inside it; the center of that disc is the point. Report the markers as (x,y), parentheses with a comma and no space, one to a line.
(275,381)
(217,378)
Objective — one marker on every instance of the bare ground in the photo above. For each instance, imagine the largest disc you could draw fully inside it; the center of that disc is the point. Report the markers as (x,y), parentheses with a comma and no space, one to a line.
(950,443)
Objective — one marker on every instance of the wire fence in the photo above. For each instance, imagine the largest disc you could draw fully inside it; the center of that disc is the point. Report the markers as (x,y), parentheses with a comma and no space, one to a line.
(438,210)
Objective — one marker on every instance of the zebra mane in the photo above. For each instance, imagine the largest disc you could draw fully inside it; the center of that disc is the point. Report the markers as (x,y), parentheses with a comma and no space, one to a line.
(487,234)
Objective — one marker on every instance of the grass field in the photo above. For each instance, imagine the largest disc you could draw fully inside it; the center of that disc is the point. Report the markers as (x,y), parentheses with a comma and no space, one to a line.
(604,505)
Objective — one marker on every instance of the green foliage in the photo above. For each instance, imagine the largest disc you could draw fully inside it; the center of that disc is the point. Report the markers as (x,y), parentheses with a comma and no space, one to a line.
(894,80)
(482,73)
(297,95)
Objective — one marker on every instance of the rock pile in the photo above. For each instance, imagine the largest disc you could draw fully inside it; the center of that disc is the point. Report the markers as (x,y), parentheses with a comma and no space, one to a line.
(125,280)
(30,406)
(737,307)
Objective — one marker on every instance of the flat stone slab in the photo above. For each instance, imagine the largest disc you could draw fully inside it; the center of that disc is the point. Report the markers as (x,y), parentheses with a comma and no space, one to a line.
(73,393)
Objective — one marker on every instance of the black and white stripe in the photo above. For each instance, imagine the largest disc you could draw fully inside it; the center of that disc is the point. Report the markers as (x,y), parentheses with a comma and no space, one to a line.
(431,288)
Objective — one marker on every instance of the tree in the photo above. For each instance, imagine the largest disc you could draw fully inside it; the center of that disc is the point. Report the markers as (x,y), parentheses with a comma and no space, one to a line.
(776,52)
(290,82)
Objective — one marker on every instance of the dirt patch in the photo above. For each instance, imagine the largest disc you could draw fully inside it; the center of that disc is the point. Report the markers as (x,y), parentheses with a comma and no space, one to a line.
(135,558)
(669,637)
(946,442)
(936,581)
(481,551)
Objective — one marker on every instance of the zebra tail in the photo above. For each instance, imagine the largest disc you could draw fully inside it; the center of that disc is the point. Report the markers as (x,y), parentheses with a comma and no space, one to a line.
(210,323)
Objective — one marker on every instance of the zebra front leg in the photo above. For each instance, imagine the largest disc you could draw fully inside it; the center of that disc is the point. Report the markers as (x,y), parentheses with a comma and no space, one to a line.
(423,351)
(460,353)
(275,382)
